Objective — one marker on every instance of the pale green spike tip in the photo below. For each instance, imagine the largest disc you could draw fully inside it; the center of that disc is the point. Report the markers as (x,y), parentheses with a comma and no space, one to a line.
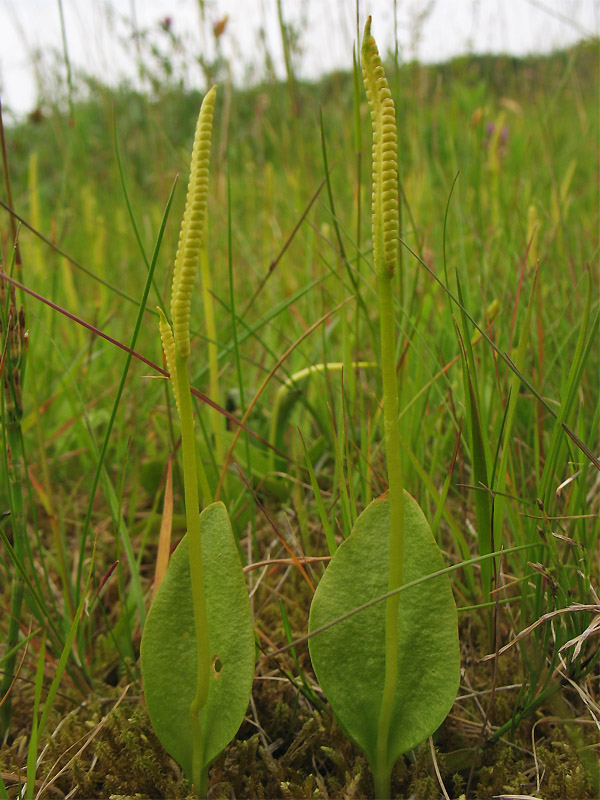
(368,51)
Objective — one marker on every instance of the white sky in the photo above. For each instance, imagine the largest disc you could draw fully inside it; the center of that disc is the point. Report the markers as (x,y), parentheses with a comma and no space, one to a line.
(99,35)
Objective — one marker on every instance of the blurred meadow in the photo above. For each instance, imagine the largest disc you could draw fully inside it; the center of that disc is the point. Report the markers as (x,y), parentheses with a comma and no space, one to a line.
(498,366)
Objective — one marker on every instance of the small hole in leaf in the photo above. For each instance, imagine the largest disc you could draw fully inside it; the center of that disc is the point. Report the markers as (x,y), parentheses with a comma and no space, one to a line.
(217,666)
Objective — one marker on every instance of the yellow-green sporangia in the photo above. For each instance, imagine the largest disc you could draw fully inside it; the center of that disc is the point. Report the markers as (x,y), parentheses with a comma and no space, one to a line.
(192,227)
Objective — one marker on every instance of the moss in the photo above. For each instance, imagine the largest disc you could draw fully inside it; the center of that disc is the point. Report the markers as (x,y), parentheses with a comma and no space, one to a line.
(101,754)
(503,773)
(458,783)
(421,779)
(287,748)
(558,768)
(562,771)
(298,752)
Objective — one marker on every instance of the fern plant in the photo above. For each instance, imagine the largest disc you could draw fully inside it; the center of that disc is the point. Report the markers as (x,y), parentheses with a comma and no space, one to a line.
(390,672)
(197,651)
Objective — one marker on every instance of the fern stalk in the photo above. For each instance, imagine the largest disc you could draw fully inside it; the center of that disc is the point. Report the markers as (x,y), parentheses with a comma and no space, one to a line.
(385,246)
(176,344)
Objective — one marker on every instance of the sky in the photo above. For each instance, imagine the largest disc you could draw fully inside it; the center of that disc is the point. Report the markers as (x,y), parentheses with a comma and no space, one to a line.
(99,35)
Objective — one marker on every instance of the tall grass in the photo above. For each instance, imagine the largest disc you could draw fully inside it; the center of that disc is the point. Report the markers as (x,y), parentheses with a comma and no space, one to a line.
(498,419)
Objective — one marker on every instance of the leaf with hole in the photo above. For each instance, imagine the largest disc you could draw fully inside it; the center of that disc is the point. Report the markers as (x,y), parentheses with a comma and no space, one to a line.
(168,650)
(349,657)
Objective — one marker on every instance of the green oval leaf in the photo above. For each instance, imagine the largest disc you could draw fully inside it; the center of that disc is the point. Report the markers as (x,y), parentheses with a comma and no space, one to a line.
(168,649)
(349,657)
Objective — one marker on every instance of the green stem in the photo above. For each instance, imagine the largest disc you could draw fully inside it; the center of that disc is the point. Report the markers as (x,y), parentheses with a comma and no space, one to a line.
(58,540)
(16,605)
(11,406)
(216,420)
(383,769)
(63,32)
(192,513)
(199,769)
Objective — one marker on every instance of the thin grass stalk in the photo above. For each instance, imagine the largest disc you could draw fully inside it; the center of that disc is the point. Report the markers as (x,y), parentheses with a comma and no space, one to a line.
(349,374)
(40,609)
(67,60)
(338,234)
(349,465)
(213,350)
(287,56)
(479,448)
(234,319)
(61,665)
(100,467)
(12,368)
(340,485)
(34,737)
(569,392)
(134,224)
(519,359)
(8,188)
(298,501)
(48,501)
(329,535)
(585,449)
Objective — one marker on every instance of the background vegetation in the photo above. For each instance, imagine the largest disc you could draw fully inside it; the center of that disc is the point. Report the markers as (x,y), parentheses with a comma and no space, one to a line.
(498,163)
